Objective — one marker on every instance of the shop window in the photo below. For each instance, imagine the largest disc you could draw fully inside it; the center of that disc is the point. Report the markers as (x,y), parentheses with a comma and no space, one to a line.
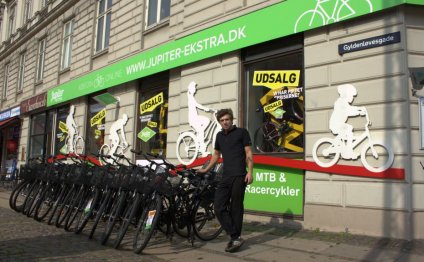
(41,134)
(96,126)
(157,11)
(61,130)
(104,16)
(274,98)
(11,144)
(68,29)
(153,115)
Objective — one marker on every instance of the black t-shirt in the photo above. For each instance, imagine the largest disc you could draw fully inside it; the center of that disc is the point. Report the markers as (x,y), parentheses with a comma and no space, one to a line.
(231,146)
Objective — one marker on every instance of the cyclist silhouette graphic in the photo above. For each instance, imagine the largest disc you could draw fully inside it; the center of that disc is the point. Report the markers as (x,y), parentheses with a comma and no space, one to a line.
(116,127)
(72,128)
(342,111)
(198,122)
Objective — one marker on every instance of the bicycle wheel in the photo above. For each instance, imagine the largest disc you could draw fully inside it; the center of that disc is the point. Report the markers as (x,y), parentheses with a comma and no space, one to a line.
(29,200)
(18,196)
(308,20)
(181,219)
(127,218)
(57,204)
(205,224)
(79,206)
(324,152)
(353,8)
(147,223)
(187,148)
(105,202)
(74,209)
(46,202)
(66,206)
(104,151)
(89,208)
(115,215)
(79,146)
(376,157)
(266,138)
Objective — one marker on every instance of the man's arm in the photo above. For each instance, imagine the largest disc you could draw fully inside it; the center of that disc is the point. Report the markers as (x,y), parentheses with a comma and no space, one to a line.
(215,156)
(249,161)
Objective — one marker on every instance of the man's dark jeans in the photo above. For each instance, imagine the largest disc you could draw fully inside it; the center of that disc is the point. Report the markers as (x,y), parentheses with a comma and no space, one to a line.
(229,208)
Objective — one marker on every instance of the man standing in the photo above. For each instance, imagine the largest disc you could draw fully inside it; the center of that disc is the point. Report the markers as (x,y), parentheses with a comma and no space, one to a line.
(236,148)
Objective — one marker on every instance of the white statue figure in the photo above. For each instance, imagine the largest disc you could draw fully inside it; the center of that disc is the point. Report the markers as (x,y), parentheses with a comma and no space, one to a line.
(198,122)
(114,137)
(342,111)
(72,129)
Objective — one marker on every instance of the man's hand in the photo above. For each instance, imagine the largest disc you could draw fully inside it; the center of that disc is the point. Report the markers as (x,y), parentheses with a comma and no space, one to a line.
(201,170)
(249,178)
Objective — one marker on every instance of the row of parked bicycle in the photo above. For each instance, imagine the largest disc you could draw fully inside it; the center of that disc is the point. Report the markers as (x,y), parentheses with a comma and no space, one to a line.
(118,200)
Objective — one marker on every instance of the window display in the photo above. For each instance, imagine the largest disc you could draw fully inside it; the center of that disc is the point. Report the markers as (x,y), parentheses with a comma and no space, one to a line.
(275,103)
(96,125)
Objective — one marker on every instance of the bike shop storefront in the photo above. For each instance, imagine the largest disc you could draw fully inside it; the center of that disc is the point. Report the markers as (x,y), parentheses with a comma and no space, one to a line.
(10,130)
(273,102)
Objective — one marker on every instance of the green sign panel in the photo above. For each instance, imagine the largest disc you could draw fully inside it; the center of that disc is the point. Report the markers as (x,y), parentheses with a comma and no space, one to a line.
(276,190)
(146,134)
(279,20)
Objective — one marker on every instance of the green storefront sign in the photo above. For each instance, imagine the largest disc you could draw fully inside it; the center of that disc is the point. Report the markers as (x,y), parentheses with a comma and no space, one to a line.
(279,20)
(276,190)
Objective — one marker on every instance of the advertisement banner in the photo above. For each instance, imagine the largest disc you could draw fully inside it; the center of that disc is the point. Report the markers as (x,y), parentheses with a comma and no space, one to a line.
(279,20)
(276,190)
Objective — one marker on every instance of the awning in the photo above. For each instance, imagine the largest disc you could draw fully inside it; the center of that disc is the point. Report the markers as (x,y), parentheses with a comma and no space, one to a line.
(6,122)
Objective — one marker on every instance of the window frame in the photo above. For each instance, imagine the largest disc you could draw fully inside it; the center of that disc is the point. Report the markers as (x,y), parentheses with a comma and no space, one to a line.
(158,19)
(41,57)
(103,17)
(21,72)
(28,4)
(11,20)
(66,52)
(6,80)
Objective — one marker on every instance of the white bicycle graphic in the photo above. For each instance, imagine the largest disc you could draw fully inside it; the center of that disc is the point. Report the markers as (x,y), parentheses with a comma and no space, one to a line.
(78,145)
(341,10)
(188,146)
(105,151)
(375,155)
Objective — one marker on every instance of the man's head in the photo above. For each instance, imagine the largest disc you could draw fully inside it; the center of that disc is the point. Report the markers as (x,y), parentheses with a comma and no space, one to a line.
(125,118)
(225,118)
(192,87)
(347,91)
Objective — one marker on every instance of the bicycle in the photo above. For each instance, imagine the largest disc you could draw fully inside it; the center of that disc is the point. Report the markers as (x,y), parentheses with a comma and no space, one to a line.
(327,151)
(276,135)
(340,11)
(188,146)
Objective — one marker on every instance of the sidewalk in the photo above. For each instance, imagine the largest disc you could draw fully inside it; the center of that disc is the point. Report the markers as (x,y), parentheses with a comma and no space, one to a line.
(23,239)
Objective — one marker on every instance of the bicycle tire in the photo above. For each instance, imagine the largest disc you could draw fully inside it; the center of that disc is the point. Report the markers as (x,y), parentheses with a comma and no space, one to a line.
(31,198)
(180,220)
(19,191)
(46,202)
(377,166)
(79,146)
(147,223)
(316,153)
(129,214)
(205,224)
(187,144)
(57,203)
(114,216)
(65,206)
(76,208)
(300,25)
(89,210)
(266,138)
(102,209)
